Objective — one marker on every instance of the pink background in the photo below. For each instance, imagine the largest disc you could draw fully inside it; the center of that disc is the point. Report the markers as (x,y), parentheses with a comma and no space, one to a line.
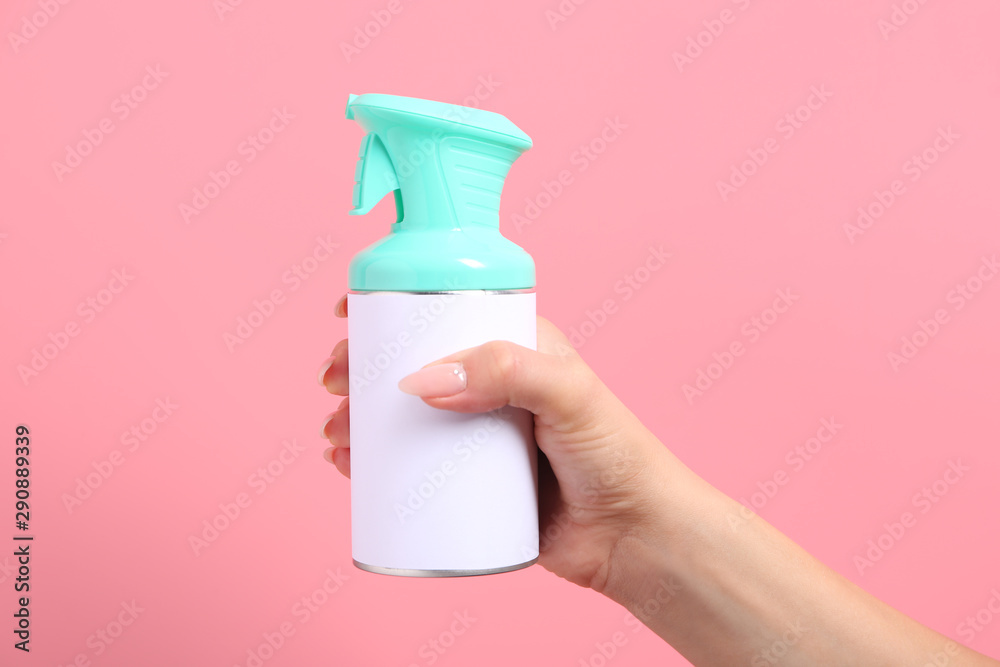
(680,131)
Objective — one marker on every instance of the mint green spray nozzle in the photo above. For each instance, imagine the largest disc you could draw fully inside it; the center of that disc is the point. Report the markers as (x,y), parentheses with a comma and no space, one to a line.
(446,166)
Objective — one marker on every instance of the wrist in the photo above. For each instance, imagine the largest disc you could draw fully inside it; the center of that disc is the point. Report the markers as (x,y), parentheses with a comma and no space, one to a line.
(656,553)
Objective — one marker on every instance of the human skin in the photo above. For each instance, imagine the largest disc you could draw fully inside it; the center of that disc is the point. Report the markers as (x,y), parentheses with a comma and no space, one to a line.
(637,525)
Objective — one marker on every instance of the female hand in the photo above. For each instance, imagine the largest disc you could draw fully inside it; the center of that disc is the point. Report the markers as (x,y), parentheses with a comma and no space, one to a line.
(600,469)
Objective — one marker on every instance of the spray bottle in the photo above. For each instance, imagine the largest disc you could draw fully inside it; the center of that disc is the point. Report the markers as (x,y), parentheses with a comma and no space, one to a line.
(436,493)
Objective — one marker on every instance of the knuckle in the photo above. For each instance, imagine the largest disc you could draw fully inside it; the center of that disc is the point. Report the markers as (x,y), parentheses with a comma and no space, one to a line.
(504,360)
(587,387)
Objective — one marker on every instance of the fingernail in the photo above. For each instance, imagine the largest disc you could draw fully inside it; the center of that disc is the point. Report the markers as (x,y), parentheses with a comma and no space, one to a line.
(340,310)
(328,454)
(324,368)
(326,422)
(436,381)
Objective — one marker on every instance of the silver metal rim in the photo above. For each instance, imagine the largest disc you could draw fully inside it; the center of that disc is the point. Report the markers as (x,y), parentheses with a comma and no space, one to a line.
(471,292)
(403,572)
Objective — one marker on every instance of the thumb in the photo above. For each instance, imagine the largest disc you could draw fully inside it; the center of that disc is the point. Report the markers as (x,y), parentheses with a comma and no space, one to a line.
(552,386)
